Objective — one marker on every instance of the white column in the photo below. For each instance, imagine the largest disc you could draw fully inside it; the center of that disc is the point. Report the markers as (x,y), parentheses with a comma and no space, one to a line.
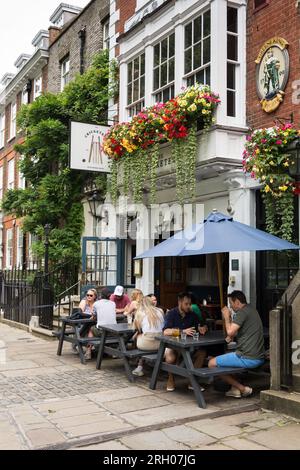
(148,75)
(219,56)
(242,199)
(143,243)
(123,92)
(179,57)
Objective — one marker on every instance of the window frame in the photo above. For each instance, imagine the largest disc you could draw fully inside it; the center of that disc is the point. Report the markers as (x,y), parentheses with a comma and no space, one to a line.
(188,76)
(13,120)
(1,181)
(170,85)
(136,106)
(2,130)
(64,72)
(10,173)
(9,248)
(20,247)
(35,81)
(105,32)
(234,62)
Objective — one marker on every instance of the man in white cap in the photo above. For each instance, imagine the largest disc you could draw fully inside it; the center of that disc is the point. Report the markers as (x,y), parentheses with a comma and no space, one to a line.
(121,300)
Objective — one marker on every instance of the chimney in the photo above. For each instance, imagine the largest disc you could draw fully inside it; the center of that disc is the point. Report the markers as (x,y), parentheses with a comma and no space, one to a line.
(54,32)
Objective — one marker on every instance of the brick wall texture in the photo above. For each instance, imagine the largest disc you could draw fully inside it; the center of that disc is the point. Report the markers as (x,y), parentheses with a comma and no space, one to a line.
(278,18)
(68,42)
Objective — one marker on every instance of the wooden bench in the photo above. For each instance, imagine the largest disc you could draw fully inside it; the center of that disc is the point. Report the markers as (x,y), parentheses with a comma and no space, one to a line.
(72,335)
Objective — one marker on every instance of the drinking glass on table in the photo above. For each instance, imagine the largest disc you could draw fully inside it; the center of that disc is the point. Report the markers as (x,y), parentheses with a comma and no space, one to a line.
(195,335)
(176,332)
(183,335)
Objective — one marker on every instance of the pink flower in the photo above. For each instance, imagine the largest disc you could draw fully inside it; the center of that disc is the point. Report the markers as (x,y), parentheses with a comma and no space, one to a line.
(278,142)
(264,141)
(248,138)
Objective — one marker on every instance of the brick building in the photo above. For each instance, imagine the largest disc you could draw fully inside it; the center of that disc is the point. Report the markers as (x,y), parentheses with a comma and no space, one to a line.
(266,22)
(29,81)
(75,37)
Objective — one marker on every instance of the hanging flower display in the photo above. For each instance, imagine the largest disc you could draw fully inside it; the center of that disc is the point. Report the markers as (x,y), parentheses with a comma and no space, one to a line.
(265,157)
(134,145)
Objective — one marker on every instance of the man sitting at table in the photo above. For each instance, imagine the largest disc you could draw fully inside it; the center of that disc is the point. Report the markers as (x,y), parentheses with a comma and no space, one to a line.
(246,325)
(120,299)
(184,319)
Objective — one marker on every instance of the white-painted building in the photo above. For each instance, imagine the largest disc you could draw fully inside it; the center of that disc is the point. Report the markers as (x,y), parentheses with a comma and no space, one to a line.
(166,45)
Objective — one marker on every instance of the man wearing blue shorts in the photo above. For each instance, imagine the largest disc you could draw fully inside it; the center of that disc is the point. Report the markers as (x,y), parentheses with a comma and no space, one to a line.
(247,327)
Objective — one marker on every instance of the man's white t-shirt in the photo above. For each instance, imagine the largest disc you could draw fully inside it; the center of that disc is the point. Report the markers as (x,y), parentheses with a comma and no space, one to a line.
(106,312)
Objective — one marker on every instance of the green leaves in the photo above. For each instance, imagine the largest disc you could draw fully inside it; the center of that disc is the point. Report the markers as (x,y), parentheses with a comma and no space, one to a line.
(54,192)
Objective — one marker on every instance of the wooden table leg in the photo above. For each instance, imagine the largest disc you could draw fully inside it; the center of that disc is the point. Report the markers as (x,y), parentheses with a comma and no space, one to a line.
(190,366)
(77,329)
(157,366)
(101,350)
(125,360)
(61,338)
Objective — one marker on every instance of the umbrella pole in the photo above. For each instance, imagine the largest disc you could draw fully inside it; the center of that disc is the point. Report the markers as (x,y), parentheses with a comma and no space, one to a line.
(220,282)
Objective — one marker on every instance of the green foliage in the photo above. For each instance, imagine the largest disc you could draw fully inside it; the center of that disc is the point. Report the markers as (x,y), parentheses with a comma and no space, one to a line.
(54,192)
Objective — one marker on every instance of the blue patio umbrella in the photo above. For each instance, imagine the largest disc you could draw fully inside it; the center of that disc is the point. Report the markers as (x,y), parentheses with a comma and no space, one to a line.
(217,234)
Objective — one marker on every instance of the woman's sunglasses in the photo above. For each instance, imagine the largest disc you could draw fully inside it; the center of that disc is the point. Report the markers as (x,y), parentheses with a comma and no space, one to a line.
(90,295)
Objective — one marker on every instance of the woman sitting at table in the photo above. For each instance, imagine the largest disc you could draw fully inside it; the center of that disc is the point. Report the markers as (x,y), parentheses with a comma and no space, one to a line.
(87,308)
(106,315)
(136,298)
(149,322)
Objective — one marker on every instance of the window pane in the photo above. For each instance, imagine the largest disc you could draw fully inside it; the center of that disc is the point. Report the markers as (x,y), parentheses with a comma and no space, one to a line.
(197,56)
(136,90)
(156,78)
(156,54)
(188,61)
(271,278)
(231,76)
(142,64)
(171,70)
(172,92)
(188,35)
(142,87)
(197,29)
(206,23)
(207,76)
(172,45)
(283,278)
(129,77)
(166,95)
(230,103)
(164,50)
(164,74)
(232,51)
(200,77)
(129,100)
(206,51)
(232,20)
(136,68)
(191,81)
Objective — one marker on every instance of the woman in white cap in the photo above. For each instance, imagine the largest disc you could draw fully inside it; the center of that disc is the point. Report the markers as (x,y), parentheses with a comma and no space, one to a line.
(120,299)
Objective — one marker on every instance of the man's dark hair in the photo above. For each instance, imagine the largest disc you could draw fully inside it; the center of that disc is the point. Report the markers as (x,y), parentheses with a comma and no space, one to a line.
(182,295)
(194,299)
(238,295)
(105,293)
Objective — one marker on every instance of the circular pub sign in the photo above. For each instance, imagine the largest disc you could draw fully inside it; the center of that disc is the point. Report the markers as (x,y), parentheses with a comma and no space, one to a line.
(272,73)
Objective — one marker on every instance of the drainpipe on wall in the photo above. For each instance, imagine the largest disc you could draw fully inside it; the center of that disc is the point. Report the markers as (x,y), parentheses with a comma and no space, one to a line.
(82,37)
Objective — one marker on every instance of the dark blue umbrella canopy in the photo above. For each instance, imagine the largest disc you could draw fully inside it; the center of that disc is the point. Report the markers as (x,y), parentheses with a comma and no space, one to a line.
(218,234)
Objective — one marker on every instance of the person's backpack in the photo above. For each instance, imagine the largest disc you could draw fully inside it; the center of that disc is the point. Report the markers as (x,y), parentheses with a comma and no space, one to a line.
(77,314)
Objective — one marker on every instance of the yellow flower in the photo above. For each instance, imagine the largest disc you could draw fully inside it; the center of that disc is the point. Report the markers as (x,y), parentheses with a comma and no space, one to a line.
(283,188)
(271,180)
(192,108)
(257,151)
(286,164)
(267,188)
(285,134)
(263,177)
(182,103)
(272,163)
(204,111)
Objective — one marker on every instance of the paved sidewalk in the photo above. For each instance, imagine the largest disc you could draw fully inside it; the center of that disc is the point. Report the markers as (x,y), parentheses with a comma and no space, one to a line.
(48,401)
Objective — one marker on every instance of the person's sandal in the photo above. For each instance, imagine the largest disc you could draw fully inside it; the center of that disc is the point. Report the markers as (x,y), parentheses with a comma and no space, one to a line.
(247,392)
(170,384)
(233,392)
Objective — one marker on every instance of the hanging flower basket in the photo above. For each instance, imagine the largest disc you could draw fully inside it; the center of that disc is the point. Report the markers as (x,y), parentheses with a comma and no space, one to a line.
(266,159)
(133,147)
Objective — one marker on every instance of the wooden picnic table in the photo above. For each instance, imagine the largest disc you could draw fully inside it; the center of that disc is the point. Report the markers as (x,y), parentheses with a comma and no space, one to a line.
(71,332)
(122,333)
(186,369)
